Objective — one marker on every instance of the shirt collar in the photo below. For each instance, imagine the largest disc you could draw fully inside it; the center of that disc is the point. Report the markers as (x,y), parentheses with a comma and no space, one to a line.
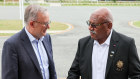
(31,37)
(107,42)
(109,38)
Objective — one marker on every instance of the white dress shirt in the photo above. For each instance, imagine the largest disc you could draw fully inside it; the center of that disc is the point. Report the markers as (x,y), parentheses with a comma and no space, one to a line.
(40,54)
(99,58)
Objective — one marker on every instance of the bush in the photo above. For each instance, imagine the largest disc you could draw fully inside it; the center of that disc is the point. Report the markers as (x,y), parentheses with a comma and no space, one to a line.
(114,1)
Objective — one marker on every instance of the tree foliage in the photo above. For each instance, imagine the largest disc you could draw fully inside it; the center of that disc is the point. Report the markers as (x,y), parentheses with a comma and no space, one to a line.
(114,1)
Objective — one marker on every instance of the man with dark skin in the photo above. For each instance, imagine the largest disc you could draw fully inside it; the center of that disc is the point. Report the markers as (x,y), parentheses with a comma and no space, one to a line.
(105,54)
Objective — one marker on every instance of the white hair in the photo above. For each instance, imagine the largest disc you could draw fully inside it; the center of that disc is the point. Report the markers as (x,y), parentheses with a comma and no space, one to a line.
(31,12)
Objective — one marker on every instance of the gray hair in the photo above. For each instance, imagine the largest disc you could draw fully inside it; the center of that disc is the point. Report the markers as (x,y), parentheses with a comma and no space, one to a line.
(31,12)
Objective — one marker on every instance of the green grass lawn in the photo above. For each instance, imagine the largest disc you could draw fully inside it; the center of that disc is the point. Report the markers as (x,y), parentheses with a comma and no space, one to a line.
(58,26)
(17,25)
(137,23)
(10,25)
(79,3)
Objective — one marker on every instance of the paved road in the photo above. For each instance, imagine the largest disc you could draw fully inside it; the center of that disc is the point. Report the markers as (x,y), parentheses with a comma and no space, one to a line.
(65,45)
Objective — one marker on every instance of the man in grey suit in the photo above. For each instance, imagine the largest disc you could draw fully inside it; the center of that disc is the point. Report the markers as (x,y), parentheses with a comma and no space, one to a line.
(105,54)
(28,54)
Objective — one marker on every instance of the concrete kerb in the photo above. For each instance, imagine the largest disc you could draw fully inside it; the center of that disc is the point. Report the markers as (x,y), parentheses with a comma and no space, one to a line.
(131,24)
(70,27)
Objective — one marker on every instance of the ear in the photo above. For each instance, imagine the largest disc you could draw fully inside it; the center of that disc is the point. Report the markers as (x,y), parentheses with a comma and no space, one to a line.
(109,25)
(31,23)
(48,26)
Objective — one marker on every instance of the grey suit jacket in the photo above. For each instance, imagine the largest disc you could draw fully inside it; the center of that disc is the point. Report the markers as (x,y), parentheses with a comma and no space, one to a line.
(121,64)
(19,60)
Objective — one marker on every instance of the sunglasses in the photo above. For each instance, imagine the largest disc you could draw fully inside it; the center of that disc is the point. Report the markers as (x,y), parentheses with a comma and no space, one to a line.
(94,25)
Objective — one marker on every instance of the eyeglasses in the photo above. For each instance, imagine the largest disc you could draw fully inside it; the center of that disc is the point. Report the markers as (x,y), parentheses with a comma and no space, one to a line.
(44,23)
(94,25)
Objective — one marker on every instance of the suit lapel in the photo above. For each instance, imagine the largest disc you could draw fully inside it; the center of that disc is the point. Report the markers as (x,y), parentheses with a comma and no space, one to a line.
(47,47)
(112,51)
(89,50)
(28,47)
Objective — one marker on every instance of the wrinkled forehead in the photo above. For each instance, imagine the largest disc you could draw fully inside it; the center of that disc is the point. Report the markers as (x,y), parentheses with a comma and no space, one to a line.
(97,18)
(101,15)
